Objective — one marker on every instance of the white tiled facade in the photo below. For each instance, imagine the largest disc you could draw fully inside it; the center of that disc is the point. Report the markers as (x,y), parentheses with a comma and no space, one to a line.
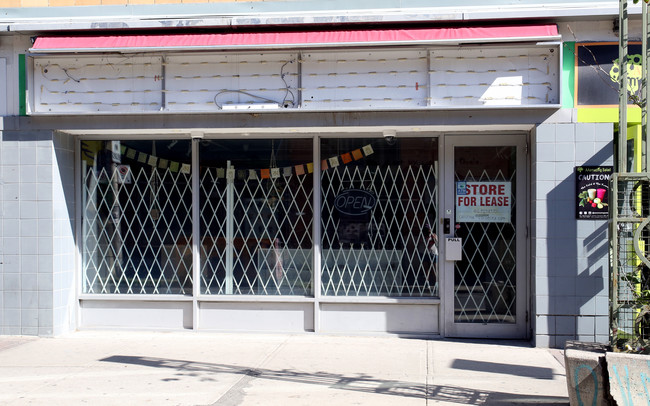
(567,269)
(570,256)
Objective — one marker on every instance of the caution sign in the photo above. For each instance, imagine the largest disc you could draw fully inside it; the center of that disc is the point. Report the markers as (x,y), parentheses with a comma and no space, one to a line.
(592,192)
(483,202)
(123,174)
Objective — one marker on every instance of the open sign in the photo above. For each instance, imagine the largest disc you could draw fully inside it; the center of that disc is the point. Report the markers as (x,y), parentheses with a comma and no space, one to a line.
(355,202)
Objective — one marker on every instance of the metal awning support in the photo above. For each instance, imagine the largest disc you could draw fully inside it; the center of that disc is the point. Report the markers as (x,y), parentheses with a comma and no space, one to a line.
(644,84)
(622,87)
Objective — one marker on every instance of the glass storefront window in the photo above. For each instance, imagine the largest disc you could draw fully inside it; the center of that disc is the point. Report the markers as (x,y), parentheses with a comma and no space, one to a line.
(256,216)
(379,211)
(255,205)
(137,217)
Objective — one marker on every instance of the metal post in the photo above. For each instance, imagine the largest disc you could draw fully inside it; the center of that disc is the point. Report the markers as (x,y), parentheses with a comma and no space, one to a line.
(196,234)
(644,83)
(614,249)
(623,97)
(230,229)
(316,233)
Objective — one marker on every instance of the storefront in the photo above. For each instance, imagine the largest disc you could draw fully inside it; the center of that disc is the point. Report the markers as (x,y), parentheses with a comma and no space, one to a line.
(384,229)
(385,245)
(363,181)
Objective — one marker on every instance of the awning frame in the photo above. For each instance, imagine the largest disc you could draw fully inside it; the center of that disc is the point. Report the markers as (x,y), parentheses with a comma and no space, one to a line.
(295,40)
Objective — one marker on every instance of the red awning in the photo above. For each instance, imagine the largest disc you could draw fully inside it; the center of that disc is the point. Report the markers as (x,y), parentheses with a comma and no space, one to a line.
(295,39)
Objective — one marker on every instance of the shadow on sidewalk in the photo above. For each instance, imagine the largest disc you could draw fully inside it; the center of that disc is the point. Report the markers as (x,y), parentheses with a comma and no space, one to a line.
(358,383)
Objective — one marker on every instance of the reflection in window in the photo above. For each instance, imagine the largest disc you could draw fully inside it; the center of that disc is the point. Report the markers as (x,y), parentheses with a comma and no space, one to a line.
(379,229)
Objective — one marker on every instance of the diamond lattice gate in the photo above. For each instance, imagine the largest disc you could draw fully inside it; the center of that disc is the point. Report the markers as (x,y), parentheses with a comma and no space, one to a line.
(388,251)
(485,279)
(137,231)
(256,234)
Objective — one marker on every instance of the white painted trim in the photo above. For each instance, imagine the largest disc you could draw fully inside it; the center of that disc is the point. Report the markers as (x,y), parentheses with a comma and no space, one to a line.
(263,299)
(134,298)
(254,299)
(306,110)
(78,274)
(381,300)
(196,235)
(316,233)
(4,92)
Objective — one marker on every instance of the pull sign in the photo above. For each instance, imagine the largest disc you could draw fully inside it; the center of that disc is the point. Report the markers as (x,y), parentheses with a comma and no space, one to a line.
(454,249)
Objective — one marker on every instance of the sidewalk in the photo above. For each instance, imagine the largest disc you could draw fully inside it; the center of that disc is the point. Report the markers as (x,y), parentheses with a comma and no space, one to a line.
(188,368)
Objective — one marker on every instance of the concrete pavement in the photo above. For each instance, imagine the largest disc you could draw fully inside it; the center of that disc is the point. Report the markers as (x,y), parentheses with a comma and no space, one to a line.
(189,368)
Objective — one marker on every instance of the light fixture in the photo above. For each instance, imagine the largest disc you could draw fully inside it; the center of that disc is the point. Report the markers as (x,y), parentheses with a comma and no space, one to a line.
(389,136)
(253,106)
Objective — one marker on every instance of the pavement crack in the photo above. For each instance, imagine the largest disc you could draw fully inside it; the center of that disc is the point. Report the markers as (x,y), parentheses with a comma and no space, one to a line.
(236,394)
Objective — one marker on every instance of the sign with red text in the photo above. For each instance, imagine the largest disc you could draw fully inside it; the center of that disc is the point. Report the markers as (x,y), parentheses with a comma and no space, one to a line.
(592,192)
(483,202)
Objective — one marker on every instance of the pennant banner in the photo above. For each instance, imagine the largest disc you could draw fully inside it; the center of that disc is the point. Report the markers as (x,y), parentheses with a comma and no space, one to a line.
(266,173)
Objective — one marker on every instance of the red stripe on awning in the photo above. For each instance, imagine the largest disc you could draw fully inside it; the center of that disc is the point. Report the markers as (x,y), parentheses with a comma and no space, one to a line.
(284,39)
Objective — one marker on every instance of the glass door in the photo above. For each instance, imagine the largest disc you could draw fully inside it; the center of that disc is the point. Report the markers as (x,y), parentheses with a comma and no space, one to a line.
(484,226)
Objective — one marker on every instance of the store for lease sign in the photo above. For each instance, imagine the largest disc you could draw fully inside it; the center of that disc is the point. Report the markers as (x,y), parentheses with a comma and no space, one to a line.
(483,202)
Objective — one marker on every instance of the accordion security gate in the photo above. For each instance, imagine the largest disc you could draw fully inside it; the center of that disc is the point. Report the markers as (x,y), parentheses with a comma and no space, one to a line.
(393,258)
(154,225)
(255,231)
(260,250)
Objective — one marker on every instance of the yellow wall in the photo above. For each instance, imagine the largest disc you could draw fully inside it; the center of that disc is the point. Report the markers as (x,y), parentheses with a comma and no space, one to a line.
(60,3)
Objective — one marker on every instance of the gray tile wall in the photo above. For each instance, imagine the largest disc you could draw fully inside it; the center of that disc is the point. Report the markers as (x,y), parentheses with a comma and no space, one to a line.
(569,256)
(63,243)
(34,183)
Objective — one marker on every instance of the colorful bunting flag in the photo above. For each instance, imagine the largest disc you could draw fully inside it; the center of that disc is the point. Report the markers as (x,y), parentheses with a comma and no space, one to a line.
(286,171)
(242,174)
